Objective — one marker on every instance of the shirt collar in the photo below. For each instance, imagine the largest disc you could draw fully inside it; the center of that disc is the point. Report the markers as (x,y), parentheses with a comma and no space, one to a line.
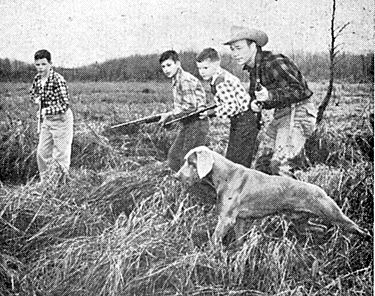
(177,76)
(216,75)
(248,67)
(251,65)
(50,75)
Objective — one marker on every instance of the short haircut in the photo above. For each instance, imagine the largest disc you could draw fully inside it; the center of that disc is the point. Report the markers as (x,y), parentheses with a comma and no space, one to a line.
(169,54)
(208,53)
(249,42)
(43,54)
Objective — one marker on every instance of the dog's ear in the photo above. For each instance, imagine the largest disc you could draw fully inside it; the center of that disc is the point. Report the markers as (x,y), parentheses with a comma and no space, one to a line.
(205,162)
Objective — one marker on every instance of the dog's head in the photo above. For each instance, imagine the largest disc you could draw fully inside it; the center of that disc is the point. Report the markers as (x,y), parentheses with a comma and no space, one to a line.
(198,163)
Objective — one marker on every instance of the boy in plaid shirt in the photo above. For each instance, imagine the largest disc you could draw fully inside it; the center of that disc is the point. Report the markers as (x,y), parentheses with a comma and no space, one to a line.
(232,102)
(188,96)
(50,92)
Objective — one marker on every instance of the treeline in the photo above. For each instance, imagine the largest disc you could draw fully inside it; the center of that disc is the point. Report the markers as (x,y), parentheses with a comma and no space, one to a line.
(315,66)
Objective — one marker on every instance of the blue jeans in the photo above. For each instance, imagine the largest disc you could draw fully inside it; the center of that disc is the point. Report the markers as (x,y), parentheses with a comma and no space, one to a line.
(190,135)
(243,134)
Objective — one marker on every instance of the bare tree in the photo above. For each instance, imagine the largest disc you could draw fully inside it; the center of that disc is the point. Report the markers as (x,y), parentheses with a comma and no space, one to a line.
(333,52)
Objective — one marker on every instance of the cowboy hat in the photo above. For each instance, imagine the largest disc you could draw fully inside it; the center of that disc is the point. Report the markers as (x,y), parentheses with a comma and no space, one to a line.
(240,33)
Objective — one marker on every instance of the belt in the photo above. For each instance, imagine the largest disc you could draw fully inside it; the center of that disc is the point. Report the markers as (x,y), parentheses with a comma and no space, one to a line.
(307,100)
(54,116)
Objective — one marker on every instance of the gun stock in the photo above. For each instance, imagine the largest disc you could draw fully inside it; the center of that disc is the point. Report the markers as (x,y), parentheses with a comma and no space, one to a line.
(146,120)
(190,115)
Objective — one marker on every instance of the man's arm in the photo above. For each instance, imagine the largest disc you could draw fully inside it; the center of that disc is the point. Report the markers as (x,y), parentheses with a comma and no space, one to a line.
(288,86)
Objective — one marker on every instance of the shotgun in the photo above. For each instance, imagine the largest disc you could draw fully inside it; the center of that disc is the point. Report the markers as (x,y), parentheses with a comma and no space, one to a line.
(191,115)
(148,119)
(260,122)
(155,118)
(258,87)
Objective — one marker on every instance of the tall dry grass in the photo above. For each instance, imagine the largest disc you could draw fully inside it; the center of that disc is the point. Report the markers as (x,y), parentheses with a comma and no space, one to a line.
(123,226)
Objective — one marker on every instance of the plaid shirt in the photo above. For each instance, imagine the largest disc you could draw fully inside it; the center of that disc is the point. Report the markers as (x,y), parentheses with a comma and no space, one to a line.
(229,94)
(54,94)
(283,80)
(188,92)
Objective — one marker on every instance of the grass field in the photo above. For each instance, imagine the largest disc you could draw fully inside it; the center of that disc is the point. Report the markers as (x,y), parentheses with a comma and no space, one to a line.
(122,226)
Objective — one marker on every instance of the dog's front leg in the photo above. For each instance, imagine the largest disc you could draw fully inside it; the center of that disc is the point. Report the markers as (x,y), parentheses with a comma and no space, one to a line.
(239,230)
(221,229)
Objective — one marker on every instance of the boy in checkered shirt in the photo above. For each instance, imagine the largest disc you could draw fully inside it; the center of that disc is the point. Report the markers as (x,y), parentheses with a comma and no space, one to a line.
(50,92)
(188,96)
(233,102)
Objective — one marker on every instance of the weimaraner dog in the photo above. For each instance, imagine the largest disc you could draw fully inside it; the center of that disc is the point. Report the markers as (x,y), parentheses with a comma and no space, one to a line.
(246,193)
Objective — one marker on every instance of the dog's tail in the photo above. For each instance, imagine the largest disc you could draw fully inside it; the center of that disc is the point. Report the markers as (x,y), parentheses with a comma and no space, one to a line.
(364,232)
(333,213)
(354,228)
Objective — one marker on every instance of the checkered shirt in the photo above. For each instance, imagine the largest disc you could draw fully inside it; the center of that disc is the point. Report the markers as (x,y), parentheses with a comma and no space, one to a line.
(54,94)
(230,95)
(283,80)
(188,92)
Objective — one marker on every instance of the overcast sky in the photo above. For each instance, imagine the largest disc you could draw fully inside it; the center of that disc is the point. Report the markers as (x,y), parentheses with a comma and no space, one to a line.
(85,31)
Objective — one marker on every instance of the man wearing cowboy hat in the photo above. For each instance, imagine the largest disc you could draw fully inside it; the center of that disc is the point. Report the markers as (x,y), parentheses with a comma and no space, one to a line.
(275,83)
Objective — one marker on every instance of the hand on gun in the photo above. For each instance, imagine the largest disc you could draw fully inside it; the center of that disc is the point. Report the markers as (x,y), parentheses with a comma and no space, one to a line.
(41,114)
(256,106)
(203,115)
(37,100)
(261,94)
(164,117)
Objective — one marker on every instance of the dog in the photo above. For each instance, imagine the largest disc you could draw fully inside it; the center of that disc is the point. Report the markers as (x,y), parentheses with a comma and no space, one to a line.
(244,193)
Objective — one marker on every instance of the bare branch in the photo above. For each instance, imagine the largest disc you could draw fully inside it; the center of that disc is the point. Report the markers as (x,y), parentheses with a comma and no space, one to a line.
(342,29)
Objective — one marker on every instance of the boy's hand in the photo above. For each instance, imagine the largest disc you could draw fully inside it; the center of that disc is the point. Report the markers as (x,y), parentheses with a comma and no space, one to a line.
(203,115)
(37,100)
(41,114)
(164,117)
(262,94)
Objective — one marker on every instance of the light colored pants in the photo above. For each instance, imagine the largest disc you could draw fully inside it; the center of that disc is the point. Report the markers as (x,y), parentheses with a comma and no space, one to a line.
(55,144)
(282,144)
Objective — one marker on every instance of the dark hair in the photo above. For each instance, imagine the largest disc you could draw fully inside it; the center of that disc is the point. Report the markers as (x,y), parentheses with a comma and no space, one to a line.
(208,53)
(249,42)
(169,54)
(43,54)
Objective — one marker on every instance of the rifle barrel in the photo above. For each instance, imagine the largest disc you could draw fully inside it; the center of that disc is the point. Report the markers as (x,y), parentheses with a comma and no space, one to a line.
(192,114)
(148,119)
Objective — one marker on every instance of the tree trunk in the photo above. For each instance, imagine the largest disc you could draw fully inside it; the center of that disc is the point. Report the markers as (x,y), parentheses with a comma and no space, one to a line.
(328,95)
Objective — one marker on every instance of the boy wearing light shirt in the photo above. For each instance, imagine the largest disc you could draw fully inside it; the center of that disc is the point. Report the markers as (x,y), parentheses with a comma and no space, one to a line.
(233,102)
